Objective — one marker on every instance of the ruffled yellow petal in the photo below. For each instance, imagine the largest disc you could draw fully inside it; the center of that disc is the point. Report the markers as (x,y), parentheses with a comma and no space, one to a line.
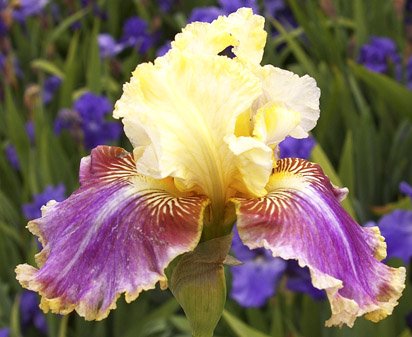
(241,30)
(177,113)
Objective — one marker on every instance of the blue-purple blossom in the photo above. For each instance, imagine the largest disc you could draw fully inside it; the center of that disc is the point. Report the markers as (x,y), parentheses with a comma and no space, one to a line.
(256,280)
(230,6)
(396,228)
(208,14)
(409,73)
(205,14)
(296,148)
(405,188)
(136,34)
(163,49)
(87,120)
(92,110)
(12,156)
(299,281)
(2,62)
(108,46)
(30,313)
(29,126)
(166,5)
(32,210)
(280,10)
(380,55)
(28,8)
(4,332)
(51,84)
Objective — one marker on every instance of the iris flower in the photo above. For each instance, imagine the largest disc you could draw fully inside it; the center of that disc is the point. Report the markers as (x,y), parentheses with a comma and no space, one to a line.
(205,130)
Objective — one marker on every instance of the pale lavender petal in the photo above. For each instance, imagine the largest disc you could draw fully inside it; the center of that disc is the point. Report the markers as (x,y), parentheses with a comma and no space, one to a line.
(116,234)
(301,219)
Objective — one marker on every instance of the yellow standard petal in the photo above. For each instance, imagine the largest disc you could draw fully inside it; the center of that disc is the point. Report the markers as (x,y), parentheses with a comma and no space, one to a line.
(241,30)
(179,111)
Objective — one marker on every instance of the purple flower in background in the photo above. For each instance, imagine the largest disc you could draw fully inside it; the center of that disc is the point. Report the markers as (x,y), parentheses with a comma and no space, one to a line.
(3,22)
(256,280)
(299,281)
(29,126)
(396,228)
(136,34)
(2,62)
(230,6)
(12,156)
(163,49)
(405,188)
(88,118)
(92,110)
(108,46)
(409,73)
(4,332)
(166,5)
(28,8)
(279,10)
(205,14)
(30,312)
(297,148)
(51,84)
(208,14)
(32,210)
(380,55)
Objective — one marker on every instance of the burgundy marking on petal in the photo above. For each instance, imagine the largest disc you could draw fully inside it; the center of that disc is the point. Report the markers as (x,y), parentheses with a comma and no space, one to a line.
(301,218)
(117,233)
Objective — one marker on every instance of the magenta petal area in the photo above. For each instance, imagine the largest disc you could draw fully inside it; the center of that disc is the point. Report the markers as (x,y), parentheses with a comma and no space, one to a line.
(115,234)
(301,218)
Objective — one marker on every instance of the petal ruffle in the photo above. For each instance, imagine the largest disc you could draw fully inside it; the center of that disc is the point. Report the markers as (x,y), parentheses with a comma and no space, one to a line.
(116,233)
(301,218)
(184,100)
(241,30)
(288,99)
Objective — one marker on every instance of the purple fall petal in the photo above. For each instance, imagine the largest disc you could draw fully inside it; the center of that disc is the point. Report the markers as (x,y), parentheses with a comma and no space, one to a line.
(301,219)
(116,234)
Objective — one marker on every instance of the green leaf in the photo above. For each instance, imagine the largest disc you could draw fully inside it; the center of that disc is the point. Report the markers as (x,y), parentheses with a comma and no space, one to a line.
(70,69)
(47,66)
(65,25)
(346,166)
(319,156)
(297,50)
(393,93)
(94,74)
(239,328)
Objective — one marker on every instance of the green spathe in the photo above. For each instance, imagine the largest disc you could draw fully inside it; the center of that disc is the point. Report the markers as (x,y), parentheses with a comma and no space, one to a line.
(198,284)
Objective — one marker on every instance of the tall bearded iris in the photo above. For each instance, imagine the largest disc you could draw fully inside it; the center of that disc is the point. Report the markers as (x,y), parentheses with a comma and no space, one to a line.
(205,130)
